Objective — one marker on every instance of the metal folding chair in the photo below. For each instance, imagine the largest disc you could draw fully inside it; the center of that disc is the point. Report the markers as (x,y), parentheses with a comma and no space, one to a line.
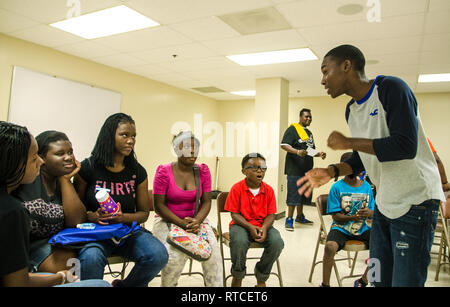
(224,239)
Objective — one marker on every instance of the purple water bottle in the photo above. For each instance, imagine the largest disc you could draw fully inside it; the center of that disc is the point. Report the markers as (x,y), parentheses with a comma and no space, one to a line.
(106,202)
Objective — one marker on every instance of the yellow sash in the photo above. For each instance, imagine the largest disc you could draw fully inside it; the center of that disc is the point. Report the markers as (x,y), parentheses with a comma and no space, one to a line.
(300,131)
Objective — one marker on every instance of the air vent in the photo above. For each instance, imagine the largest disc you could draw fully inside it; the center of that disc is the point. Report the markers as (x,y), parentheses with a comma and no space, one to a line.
(209,89)
(256,21)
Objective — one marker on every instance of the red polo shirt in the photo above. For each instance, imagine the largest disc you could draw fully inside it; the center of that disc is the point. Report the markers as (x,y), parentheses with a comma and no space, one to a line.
(253,208)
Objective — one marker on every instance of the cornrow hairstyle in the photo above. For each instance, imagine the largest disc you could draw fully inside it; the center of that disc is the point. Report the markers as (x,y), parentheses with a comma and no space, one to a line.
(351,53)
(250,156)
(47,137)
(103,152)
(15,143)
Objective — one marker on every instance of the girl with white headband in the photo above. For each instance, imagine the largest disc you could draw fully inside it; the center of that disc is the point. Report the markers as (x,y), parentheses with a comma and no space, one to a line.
(175,193)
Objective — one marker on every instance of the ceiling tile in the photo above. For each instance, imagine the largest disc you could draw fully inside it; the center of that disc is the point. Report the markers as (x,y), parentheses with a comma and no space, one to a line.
(301,14)
(439,5)
(202,29)
(437,22)
(199,64)
(46,35)
(144,39)
(49,11)
(174,11)
(148,70)
(278,40)
(226,73)
(391,27)
(121,61)
(10,22)
(181,52)
(436,43)
(87,49)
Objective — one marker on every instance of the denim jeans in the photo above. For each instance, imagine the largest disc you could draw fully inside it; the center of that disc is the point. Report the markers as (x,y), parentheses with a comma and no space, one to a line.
(97,283)
(401,247)
(293,198)
(142,248)
(240,240)
(91,283)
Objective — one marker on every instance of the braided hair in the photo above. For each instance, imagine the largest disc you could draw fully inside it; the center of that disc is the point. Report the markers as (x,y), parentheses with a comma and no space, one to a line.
(103,152)
(15,142)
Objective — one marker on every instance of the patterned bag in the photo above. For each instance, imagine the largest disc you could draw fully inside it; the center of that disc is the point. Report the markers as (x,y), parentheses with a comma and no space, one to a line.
(194,245)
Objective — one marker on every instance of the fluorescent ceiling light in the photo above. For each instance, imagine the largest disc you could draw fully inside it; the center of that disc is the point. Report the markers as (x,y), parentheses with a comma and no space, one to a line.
(272,57)
(115,20)
(244,93)
(434,78)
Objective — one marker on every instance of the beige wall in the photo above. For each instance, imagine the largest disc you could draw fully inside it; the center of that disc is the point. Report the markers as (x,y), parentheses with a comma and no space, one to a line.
(156,107)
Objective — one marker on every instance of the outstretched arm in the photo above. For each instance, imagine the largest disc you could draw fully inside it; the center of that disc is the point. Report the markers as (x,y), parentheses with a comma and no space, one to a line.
(319,176)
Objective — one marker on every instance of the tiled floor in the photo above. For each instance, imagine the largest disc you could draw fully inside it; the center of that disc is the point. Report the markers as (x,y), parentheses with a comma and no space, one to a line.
(295,259)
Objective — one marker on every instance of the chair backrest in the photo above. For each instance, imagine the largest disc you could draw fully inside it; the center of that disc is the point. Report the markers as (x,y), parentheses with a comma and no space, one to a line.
(321,202)
(445,207)
(321,205)
(151,203)
(221,200)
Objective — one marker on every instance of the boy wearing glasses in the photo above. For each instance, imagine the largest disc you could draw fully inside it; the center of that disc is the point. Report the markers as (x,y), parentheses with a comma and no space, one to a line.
(253,206)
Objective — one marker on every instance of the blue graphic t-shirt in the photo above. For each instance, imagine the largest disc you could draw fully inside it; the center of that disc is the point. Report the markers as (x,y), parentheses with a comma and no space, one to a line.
(348,200)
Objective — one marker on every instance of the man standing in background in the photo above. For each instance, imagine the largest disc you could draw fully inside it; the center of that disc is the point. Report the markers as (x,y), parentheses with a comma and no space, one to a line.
(298,141)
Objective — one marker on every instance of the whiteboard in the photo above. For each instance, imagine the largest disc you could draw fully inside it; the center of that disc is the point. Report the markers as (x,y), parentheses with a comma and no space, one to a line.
(41,102)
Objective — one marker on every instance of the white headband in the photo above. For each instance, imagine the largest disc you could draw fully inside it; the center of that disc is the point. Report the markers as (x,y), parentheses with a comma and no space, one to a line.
(183,136)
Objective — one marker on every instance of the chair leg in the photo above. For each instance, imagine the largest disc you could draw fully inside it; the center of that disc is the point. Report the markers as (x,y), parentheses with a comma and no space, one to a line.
(190,266)
(337,274)
(349,258)
(314,259)
(354,263)
(223,263)
(279,273)
(438,265)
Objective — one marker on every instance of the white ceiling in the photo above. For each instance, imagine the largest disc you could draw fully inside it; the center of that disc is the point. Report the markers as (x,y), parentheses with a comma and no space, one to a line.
(412,37)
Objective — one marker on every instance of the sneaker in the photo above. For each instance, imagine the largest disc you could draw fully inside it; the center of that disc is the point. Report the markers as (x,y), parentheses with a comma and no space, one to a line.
(289,225)
(302,220)
(359,283)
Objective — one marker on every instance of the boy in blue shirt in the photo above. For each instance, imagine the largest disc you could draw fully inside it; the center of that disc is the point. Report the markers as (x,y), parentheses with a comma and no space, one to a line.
(351,203)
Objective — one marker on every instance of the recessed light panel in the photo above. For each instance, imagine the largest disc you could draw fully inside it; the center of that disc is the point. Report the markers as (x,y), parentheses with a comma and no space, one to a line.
(273,57)
(434,78)
(244,93)
(115,20)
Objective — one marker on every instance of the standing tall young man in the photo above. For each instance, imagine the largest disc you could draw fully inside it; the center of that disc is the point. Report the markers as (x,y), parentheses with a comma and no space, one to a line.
(298,141)
(389,141)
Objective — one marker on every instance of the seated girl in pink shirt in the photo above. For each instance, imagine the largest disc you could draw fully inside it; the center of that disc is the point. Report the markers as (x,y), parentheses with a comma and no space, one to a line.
(175,193)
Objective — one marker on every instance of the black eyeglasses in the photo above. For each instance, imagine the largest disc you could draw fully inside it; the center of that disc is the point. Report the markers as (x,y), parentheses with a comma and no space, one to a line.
(255,168)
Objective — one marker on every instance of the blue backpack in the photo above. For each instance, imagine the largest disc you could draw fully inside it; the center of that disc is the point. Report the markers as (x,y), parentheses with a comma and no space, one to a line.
(76,238)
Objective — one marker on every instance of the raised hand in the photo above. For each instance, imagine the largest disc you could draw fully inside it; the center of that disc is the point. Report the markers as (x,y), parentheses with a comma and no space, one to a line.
(312,180)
